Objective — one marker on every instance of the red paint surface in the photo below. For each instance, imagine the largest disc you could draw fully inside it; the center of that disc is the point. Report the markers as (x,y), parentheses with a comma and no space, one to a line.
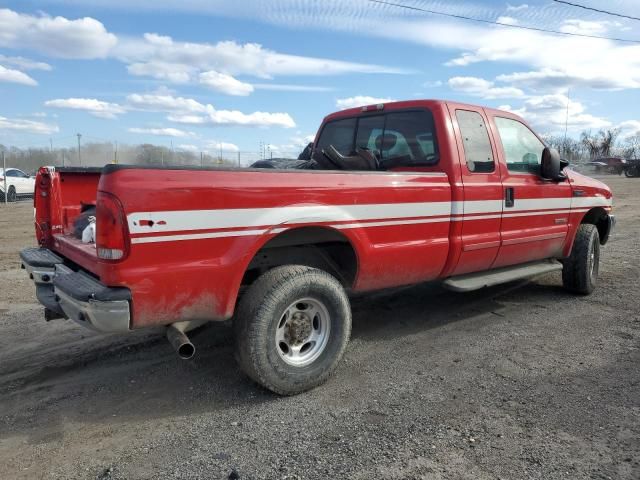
(174,280)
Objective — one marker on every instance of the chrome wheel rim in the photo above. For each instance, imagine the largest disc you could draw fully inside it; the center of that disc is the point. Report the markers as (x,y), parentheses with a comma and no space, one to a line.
(302,332)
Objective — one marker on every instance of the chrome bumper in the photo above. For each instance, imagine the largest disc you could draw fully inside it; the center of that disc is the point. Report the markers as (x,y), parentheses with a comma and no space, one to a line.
(76,295)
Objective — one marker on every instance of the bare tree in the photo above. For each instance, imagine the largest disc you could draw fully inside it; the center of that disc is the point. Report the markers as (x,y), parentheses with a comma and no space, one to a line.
(632,146)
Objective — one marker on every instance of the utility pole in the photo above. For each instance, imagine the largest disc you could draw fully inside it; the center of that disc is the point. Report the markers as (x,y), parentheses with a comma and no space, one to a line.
(51,144)
(79,157)
(201,160)
(115,154)
(63,157)
(162,156)
(238,159)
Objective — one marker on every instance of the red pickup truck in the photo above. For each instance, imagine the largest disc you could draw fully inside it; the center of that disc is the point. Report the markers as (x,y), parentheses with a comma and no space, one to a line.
(394,194)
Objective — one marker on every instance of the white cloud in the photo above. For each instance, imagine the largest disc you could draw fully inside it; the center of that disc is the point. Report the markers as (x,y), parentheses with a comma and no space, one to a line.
(164,58)
(173,73)
(507,20)
(548,113)
(27,126)
(547,79)
(279,87)
(360,101)
(479,87)
(55,36)
(226,147)
(24,63)
(165,102)
(630,128)
(188,147)
(585,27)
(516,8)
(189,111)
(235,117)
(163,132)
(95,107)
(223,83)
(14,76)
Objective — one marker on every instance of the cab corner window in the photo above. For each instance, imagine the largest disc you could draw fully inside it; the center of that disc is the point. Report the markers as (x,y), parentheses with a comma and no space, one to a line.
(475,140)
(522,149)
(338,133)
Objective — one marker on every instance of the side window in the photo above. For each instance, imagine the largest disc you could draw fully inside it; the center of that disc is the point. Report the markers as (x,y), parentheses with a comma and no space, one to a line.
(408,139)
(475,139)
(12,173)
(522,149)
(21,174)
(339,134)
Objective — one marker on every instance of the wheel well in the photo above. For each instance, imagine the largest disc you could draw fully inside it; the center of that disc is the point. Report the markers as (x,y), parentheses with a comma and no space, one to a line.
(317,247)
(598,217)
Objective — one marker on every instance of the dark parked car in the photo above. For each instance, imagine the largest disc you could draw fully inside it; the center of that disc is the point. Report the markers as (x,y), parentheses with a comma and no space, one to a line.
(614,165)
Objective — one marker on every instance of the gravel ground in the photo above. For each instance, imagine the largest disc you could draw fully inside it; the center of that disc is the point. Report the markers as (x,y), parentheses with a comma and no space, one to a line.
(513,382)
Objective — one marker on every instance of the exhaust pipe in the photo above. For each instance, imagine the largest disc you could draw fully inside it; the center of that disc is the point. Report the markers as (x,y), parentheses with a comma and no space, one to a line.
(180,342)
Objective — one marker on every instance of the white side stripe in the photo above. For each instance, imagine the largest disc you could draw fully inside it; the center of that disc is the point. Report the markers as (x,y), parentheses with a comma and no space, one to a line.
(254,217)
(354,215)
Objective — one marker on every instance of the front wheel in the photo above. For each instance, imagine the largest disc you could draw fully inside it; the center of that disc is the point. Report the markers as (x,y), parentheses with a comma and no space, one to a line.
(11,197)
(292,328)
(580,270)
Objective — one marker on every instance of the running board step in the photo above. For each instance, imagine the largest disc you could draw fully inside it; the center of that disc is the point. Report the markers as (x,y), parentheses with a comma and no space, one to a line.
(478,280)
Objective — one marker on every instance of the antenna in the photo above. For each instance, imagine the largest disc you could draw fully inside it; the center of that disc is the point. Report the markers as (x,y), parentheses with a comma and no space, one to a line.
(566,118)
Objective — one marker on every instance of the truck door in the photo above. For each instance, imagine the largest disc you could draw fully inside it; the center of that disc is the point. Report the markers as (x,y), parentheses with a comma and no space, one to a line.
(535,211)
(481,210)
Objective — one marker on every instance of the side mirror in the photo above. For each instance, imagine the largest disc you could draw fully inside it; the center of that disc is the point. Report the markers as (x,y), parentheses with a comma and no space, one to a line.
(551,165)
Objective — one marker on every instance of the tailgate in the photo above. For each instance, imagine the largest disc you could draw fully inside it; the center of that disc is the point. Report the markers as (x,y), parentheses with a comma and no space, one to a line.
(62,195)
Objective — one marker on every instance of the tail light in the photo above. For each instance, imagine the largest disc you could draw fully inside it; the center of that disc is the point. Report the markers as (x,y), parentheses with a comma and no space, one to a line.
(111,228)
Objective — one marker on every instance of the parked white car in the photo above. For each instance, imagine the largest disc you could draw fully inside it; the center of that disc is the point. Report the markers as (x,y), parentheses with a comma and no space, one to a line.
(19,184)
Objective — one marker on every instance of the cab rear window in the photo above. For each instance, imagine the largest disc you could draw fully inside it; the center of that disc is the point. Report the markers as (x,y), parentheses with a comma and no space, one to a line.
(404,138)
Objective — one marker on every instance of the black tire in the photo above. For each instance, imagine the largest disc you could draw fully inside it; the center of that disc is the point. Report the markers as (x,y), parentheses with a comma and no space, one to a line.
(580,270)
(11,197)
(261,313)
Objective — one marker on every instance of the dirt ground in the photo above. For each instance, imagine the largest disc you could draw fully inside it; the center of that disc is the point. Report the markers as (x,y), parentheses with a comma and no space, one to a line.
(513,382)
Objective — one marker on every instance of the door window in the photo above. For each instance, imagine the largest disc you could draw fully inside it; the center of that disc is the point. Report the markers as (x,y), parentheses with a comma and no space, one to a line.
(522,149)
(475,140)
(12,173)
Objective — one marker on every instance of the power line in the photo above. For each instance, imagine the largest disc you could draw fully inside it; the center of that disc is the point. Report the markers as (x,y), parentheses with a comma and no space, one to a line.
(597,10)
(502,24)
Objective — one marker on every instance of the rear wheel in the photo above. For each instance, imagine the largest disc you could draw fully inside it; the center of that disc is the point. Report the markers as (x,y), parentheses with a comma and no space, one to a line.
(292,328)
(580,270)
(11,197)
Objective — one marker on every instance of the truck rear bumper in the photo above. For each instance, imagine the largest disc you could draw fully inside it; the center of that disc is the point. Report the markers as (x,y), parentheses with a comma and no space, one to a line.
(75,294)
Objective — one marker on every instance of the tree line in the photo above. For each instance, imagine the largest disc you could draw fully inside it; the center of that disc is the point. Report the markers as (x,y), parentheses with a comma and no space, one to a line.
(100,154)
(590,146)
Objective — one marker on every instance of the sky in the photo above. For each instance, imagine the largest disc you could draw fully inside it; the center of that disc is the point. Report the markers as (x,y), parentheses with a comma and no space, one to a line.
(210,75)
